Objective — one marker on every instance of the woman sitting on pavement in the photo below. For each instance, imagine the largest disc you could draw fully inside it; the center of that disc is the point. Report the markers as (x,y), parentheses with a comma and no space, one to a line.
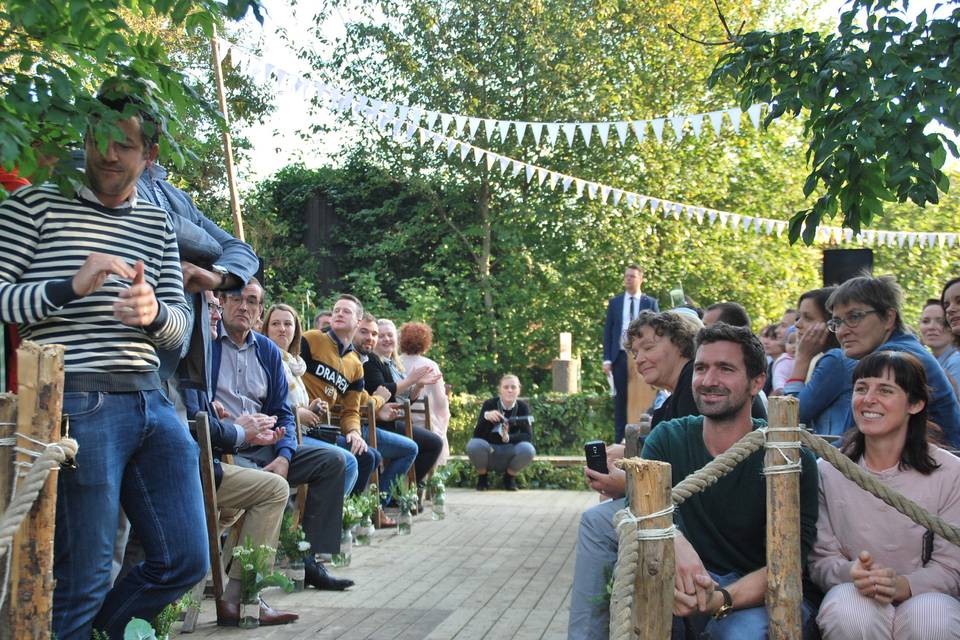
(283,327)
(821,373)
(884,575)
(866,318)
(503,437)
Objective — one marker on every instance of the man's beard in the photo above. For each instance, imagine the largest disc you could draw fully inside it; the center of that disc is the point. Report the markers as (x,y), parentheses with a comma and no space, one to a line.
(725,411)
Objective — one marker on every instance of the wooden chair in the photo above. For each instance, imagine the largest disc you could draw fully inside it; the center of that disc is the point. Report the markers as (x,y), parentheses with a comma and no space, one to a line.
(408,431)
(368,415)
(301,501)
(420,406)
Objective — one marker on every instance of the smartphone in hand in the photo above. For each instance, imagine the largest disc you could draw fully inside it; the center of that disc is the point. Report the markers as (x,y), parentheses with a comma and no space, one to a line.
(596,452)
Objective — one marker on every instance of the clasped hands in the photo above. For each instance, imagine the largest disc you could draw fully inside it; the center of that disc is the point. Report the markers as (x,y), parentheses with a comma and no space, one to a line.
(258,429)
(694,590)
(880,583)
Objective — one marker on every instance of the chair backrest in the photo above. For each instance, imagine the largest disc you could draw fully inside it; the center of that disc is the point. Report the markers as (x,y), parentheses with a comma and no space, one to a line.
(200,425)
(422,406)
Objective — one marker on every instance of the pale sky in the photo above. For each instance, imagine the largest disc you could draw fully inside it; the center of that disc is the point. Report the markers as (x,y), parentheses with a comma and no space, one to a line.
(276,143)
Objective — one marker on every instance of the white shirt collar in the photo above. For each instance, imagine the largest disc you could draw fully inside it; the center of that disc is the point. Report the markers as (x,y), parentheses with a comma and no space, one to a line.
(87,194)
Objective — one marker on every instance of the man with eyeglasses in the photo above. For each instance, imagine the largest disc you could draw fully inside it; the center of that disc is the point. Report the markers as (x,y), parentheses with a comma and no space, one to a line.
(249,379)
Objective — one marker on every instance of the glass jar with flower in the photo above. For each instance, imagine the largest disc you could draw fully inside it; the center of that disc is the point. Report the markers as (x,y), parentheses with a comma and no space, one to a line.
(438,492)
(292,550)
(405,497)
(256,573)
(351,516)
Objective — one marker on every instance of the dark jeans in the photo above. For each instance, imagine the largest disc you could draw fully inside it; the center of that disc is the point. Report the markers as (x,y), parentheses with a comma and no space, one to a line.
(135,453)
(429,446)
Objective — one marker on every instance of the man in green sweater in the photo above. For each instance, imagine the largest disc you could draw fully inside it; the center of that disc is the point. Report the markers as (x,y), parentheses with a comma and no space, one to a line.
(721,546)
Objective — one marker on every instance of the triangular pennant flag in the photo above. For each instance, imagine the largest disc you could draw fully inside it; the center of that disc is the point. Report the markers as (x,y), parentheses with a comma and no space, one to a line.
(478,155)
(657,128)
(517,166)
(756,225)
(491,159)
(941,239)
(536,128)
(541,175)
(951,239)
(768,226)
(623,128)
(459,122)
(603,130)
(414,115)
(617,194)
(411,130)
(223,48)
(529,170)
(639,129)
(569,130)
(552,130)
(712,216)
(580,185)
(688,211)
(437,141)
(552,179)
(654,204)
(698,214)
(377,104)
(474,123)
(869,236)
(382,121)
(521,128)
(503,127)
(754,113)
(403,112)
(423,136)
(735,115)
(504,163)
(781,227)
(432,119)
(592,190)
(464,150)
(567,181)
(747,221)
(631,198)
(901,238)
(642,202)
(586,129)
(451,145)
(724,216)
(445,120)
(911,239)
(389,108)
(696,123)
(677,123)
(604,193)
(488,128)
(847,235)
(716,120)
(676,211)
(734,220)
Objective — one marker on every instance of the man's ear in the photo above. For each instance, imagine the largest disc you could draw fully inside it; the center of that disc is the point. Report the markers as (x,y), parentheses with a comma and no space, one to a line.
(152,154)
(757,384)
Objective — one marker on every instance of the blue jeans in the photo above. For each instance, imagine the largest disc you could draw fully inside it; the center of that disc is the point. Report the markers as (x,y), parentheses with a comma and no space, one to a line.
(349,461)
(739,624)
(398,451)
(135,453)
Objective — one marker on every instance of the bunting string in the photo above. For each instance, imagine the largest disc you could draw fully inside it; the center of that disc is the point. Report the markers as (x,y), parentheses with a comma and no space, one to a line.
(402,122)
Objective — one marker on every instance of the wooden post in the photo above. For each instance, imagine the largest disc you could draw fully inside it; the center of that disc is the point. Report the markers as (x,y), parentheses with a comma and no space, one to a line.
(8,425)
(784,586)
(40,403)
(566,375)
(227,144)
(649,485)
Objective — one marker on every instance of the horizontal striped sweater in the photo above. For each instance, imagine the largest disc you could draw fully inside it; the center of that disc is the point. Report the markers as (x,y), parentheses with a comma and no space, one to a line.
(45,237)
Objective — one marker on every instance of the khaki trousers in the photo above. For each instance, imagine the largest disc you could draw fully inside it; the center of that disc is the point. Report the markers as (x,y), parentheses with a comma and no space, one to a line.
(261,496)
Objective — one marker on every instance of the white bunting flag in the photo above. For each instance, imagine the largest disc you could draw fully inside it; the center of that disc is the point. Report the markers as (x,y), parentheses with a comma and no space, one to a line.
(402,113)
(552,179)
(869,236)
(579,184)
(414,115)
(464,150)
(603,130)
(677,123)
(451,145)
(747,221)
(528,168)
(768,226)
(569,130)
(639,129)
(567,181)
(911,239)
(696,123)
(631,199)
(431,121)
(459,122)
(604,193)
(698,214)
(847,235)
(716,120)
(445,120)
(503,127)
(504,163)
(478,155)
(724,216)
(617,194)
(951,239)
(473,124)
(901,238)
(552,130)
(754,113)
(712,216)
(657,128)
(488,128)
(735,221)
(517,166)
(592,190)
(423,136)
(641,202)
(521,128)
(586,129)
(536,128)
(654,204)
(491,160)
(623,128)
(734,114)
(781,227)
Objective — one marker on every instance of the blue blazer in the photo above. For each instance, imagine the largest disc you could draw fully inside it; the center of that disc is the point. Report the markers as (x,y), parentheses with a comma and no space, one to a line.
(275,404)
(613,328)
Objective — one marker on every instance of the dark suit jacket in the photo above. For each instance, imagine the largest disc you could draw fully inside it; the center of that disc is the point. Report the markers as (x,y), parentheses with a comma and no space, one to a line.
(614,328)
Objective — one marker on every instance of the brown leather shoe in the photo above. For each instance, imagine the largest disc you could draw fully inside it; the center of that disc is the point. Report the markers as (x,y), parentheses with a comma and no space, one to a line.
(228,614)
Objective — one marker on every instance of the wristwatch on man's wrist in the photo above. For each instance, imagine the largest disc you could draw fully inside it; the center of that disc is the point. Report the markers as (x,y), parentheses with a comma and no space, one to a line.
(727,605)
(223,275)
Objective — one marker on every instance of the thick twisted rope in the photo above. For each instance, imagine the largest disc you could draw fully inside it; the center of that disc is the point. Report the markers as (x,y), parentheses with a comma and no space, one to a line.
(718,467)
(51,458)
(852,471)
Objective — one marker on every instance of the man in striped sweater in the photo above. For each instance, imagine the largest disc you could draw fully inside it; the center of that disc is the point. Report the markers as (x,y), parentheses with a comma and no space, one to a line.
(99,272)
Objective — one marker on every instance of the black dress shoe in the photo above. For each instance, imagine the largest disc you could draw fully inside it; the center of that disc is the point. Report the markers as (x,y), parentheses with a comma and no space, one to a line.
(316,576)
(509,482)
(482,484)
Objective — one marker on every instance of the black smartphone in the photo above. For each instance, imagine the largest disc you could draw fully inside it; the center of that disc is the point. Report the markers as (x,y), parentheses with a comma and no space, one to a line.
(596,452)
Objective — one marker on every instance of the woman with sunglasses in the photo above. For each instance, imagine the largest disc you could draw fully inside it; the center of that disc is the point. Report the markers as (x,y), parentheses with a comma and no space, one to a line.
(866,318)
(884,575)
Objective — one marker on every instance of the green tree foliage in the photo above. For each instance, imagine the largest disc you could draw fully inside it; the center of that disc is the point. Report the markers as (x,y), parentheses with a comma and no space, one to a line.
(869,93)
(55,54)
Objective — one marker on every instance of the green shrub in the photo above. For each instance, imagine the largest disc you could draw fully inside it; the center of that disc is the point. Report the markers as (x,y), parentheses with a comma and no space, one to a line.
(562,422)
(539,475)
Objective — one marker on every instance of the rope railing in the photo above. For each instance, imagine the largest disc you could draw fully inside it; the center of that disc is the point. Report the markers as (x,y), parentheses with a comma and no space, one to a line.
(632,537)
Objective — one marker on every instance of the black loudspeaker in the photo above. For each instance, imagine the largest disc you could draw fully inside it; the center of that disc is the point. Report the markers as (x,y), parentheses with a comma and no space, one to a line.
(839,265)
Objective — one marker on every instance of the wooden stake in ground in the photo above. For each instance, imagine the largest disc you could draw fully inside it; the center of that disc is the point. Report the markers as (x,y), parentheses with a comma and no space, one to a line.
(784,585)
(649,483)
(227,144)
(40,403)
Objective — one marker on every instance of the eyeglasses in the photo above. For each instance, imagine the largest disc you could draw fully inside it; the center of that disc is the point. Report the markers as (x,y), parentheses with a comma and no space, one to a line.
(215,306)
(853,319)
(251,301)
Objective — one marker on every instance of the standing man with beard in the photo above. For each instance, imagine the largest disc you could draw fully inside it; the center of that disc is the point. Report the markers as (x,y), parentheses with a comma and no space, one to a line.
(633,395)
(720,547)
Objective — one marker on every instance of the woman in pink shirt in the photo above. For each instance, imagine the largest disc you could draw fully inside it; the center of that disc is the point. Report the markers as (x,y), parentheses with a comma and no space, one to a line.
(884,576)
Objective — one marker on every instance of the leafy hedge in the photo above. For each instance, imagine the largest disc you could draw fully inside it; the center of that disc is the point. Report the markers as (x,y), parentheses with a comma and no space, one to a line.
(562,422)
(539,475)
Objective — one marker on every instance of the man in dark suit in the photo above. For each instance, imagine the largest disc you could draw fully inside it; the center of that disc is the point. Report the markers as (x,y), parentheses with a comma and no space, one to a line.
(621,310)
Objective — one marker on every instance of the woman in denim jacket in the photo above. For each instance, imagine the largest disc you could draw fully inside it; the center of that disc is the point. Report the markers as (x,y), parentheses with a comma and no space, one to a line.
(821,377)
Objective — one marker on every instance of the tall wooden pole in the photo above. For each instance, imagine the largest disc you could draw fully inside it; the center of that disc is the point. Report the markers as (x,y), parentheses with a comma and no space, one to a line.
(40,403)
(227,145)
(784,586)
(8,426)
(649,483)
